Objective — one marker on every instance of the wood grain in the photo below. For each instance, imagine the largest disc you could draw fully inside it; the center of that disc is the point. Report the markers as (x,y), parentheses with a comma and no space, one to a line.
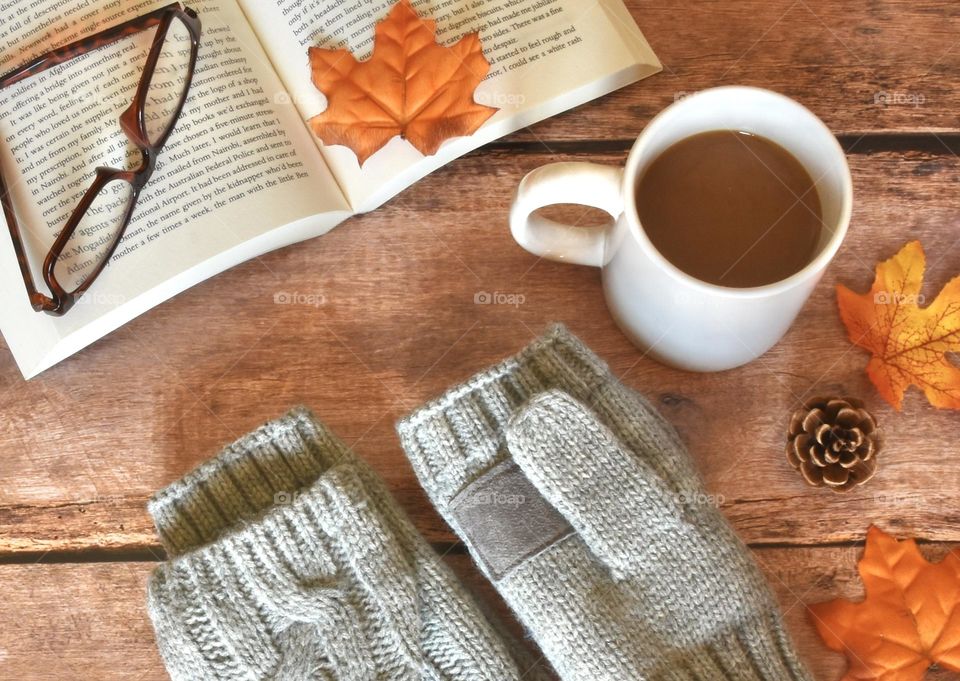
(863,66)
(89,620)
(387,318)
(399,324)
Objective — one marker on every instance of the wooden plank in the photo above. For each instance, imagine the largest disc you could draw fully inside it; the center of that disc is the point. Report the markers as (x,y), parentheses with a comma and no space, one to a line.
(81,621)
(85,444)
(88,620)
(862,66)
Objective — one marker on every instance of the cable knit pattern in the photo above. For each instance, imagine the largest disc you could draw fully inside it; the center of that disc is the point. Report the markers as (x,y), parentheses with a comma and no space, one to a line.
(290,561)
(654,585)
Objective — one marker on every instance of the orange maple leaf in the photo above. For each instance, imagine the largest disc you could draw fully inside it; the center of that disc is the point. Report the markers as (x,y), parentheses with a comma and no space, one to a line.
(909,620)
(410,86)
(909,343)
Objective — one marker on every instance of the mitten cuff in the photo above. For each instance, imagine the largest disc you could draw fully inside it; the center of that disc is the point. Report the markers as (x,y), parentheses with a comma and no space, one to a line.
(269,467)
(461,434)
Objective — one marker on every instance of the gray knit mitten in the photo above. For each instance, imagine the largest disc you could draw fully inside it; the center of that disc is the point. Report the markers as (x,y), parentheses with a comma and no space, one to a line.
(290,561)
(579,502)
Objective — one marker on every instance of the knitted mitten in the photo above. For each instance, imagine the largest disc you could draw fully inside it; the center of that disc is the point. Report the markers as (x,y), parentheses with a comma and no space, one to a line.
(289,560)
(580,503)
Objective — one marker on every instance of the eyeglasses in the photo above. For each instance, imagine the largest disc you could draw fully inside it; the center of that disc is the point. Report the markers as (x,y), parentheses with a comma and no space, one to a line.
(107,206)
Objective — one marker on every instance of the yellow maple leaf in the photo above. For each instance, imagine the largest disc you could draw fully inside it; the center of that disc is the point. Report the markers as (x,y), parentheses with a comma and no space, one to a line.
(410,86)
(909,343)
(909,620)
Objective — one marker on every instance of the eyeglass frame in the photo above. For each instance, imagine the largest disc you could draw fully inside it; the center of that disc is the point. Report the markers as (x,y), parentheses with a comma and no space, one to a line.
(134,126)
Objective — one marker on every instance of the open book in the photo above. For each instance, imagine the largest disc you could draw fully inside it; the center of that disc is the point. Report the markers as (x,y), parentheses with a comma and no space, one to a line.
(242,173)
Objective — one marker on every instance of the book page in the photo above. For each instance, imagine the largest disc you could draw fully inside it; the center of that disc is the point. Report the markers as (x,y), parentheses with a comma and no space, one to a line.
(546,55)
(236,167)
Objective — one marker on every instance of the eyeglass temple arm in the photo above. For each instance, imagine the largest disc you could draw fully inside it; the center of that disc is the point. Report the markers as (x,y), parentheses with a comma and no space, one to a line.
(81,46)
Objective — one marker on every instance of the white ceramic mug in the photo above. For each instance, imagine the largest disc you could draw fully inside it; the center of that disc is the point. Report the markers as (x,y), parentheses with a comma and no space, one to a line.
(680,320)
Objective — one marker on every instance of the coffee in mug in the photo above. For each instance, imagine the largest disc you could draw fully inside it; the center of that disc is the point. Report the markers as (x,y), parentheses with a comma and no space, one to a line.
(730,208)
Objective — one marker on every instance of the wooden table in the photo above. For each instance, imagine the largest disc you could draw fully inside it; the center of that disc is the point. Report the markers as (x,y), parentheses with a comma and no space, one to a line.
(85,444)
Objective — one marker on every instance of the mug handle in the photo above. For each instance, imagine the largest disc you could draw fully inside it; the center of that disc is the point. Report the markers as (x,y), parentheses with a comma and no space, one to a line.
(588,184)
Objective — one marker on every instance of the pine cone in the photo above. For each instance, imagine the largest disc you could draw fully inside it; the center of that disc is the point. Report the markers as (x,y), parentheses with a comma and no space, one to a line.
(833,442)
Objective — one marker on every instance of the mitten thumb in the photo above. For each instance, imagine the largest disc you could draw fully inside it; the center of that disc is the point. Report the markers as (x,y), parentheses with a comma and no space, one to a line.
(614,500)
